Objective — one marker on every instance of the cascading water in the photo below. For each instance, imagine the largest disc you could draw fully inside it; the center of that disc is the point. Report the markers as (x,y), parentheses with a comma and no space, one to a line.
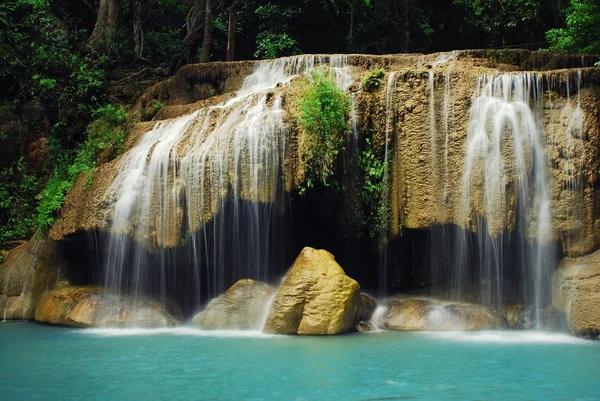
(211,182)
(506,148)
(198,201)
(385,195)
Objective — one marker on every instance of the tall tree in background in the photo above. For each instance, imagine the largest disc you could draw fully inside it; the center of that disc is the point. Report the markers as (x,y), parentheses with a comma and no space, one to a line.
(138,29)
(208,28)
(195,29)
(231,31)
(107,24)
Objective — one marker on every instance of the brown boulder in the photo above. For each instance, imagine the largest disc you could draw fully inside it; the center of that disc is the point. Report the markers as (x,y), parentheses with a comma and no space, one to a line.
(242,307)
(429,314)
(316,297)
(92,307)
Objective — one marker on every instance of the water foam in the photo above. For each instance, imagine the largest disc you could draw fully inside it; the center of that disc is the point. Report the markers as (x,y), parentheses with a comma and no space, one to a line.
(509,337)
(174,331)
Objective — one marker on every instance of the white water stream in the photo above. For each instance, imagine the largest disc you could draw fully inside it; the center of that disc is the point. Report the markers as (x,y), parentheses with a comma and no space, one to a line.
(217,172)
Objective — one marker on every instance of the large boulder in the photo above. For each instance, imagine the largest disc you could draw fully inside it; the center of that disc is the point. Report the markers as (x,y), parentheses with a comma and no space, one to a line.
(242,307)
(409,313)
(92,307)
(316,297)
(27,271)
(576,293)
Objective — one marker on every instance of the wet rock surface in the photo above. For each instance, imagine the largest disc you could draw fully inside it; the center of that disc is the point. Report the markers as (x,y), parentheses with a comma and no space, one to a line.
(242,307)
(406,313)
(92,307)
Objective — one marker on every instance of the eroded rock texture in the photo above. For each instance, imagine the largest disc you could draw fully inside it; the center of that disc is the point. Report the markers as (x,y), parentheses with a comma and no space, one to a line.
(28,270)
(422,114)
(576,293)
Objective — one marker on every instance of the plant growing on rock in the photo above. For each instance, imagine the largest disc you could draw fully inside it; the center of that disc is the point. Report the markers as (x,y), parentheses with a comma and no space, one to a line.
(372,192)
(105,138)
(372,80)
(323,110)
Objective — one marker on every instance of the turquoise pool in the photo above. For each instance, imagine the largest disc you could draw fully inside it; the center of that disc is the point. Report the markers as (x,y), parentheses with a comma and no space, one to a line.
(48,363)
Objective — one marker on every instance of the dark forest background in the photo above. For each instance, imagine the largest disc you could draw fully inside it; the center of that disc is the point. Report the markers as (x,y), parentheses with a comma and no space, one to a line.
(67,66)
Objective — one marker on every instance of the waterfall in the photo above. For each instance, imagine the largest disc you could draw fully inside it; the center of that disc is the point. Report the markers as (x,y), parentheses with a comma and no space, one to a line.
(211,182)
(506,148)
(433,131)
(385,195)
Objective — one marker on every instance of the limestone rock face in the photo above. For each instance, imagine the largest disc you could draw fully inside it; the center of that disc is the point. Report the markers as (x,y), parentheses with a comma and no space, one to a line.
(576,293)
(241,307)
(91,307)
(28,270)
(316,297)
(426,159)
(429,314)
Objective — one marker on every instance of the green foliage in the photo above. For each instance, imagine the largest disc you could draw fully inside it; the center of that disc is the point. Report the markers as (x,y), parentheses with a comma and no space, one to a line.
(33,47)
(372,80)
(274,39)
(323,111)
(582,31)
(271,45)
(503,21)
(373,190)
(105,138)
(157,106)
(17,189)
(163,20)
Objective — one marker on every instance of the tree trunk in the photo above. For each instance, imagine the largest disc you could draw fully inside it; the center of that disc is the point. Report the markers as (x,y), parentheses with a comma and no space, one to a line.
(208,26)
(107,23)
(195,24)
(138,30)
(231,33)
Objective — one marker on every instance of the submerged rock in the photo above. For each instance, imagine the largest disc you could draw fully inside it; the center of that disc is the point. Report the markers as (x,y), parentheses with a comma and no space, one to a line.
(242,307)
(91,307)
(316,297)
(576,293)
(406,313)
(519,316)
(524,317)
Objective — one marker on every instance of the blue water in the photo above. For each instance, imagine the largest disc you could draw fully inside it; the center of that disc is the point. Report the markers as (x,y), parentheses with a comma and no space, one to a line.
(47,363)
